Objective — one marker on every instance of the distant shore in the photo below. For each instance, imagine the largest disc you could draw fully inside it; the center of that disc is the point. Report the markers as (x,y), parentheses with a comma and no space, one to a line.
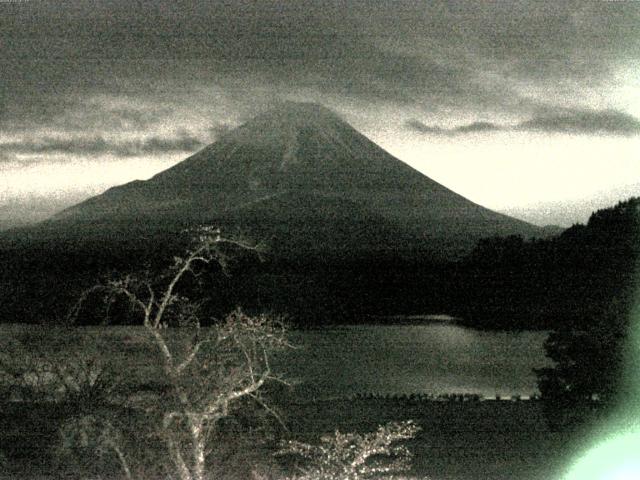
(412,319)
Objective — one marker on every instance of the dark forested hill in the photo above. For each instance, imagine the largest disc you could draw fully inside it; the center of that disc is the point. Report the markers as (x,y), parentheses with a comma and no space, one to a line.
(514,283)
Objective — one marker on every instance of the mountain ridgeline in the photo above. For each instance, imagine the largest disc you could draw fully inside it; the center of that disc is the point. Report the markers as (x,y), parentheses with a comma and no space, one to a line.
(307,183)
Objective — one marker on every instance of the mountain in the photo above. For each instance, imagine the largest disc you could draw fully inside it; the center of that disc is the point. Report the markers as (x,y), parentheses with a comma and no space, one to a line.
(307,181)
(352,230)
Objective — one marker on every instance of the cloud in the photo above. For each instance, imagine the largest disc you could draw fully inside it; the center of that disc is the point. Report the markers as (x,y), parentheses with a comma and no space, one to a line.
(418,126)
(185,143)
(578,122)
(437,54)
(219,129)
(607,122)
(449,59)
(84,112)
(475,127)
(109,114)
(94,145)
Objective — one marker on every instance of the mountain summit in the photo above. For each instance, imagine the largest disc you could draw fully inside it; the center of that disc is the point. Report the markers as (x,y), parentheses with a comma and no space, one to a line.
(303,178)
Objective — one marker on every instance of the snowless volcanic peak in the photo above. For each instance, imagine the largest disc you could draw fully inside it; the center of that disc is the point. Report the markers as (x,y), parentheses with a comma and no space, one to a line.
(294,115)
(298,171)
(296,145)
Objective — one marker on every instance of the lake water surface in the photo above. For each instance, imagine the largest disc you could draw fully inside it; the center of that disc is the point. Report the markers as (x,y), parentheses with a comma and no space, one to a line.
(435,358)
(431,358)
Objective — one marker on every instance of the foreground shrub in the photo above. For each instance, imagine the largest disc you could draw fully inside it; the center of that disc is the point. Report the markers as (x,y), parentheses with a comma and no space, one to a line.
(353,456)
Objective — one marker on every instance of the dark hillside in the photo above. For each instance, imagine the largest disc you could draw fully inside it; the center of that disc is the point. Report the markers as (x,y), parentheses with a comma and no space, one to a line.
(515,283)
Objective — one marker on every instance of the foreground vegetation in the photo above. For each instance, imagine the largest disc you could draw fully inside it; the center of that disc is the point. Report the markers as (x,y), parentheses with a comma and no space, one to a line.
(458,441)
(205,402)
(172,419)
(461,436)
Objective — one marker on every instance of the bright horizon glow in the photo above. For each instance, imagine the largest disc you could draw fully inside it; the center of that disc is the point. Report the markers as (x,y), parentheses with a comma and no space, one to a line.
(505,171)
(502,171)
(80,177)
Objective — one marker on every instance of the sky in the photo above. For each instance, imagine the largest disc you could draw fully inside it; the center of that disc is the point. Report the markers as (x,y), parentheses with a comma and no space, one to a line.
(530,108)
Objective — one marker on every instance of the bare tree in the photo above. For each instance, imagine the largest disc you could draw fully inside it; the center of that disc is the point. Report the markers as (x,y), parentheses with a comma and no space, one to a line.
(207,370)
(353,456)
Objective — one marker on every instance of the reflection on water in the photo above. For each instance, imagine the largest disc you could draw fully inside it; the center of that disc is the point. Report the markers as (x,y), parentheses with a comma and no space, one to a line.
(430,358)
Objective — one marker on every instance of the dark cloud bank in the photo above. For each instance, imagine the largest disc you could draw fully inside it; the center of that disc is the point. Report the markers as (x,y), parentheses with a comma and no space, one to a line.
(607,122)
(577,122)
(435,55)
(100,145)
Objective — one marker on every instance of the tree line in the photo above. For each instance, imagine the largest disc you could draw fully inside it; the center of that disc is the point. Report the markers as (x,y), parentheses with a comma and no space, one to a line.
(504,283)
(566,280)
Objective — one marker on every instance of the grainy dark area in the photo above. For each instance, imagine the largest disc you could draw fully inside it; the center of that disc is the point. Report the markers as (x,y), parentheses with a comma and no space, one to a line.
(319,239)
(490,439)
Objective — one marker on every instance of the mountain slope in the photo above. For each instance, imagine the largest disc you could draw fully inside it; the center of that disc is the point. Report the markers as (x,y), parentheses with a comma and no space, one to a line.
(303,177)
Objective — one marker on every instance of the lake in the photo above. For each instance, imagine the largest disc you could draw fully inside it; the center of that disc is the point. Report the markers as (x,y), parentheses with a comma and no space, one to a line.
(431,358)
(420,357)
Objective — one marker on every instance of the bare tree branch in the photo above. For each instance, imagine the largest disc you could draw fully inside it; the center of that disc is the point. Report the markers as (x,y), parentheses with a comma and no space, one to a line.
(211,374)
